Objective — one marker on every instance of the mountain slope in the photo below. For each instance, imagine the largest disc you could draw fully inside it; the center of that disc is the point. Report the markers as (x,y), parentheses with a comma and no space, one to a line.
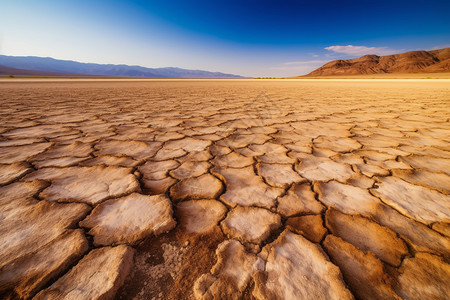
(409,62)
(22,72)
(48,64)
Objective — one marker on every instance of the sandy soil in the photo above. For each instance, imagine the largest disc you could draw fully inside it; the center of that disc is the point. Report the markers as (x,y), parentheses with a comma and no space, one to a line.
(224,189)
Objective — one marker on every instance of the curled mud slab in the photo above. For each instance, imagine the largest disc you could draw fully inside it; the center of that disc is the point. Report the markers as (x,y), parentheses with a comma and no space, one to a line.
(203,189)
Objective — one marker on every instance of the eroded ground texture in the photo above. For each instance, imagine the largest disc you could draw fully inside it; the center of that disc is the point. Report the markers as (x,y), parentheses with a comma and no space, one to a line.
(225,190)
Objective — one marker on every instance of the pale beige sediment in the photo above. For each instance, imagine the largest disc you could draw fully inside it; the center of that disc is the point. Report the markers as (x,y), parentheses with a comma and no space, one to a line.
(298,269)
(188,144)
(190,169)
(200,216)
(97,276)
(109,160)
(321,168)
(242,140)
(158,186)
(362,271)
(29,273)
(85,184)
(17,197)
(157,170)
(129,219)
(346,198)
(195,156)
(167,154)
(135,149)
(424,276)
(30,225)
(339,145)
(20,142)
(401,195)
(250,224)
(46,131)
(245,188)
(419,236)
(232,160)
(299,199)
(59,162)
(428,163)
(9,173)
(279,175)
(76,149)
(437,181)
(204,186)
(367,236)
(310,226)
(9,155)
(230,275)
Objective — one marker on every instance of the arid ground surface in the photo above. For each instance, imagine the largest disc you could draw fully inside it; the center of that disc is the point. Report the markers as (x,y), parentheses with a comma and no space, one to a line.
(223,189)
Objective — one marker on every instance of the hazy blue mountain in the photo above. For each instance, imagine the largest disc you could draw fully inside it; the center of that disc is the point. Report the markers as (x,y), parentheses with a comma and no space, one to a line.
(49,64)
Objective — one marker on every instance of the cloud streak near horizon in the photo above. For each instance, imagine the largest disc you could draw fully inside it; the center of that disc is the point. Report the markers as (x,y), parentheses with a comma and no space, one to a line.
(362,50)
(305,62)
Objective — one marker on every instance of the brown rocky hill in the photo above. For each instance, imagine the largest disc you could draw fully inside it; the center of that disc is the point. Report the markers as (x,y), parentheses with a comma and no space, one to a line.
(434,61)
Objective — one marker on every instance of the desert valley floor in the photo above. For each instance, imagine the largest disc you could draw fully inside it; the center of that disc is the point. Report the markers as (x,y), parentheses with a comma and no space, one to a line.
(225,189)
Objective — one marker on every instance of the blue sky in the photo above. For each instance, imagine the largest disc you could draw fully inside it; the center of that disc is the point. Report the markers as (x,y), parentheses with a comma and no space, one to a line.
(251,38)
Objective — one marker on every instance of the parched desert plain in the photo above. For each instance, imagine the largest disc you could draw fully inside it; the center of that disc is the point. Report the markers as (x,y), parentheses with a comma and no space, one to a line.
(225,189)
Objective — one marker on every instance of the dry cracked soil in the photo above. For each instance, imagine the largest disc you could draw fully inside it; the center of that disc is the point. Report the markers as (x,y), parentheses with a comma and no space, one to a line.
(225,189)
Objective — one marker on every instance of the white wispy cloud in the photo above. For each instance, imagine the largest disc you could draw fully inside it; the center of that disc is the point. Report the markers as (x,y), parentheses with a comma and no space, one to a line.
(440,47)
(362,50)
(294,68)
(304,62)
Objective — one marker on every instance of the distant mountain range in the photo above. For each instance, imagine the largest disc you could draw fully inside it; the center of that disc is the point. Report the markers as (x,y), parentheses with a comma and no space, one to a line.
(434,61)
(5,71)
(68,67)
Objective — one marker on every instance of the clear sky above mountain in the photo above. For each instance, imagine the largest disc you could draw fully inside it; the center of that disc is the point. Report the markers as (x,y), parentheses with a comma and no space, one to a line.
(251,38)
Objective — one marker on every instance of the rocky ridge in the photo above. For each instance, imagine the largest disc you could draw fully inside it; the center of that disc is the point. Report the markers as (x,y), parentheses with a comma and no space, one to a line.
(434,61)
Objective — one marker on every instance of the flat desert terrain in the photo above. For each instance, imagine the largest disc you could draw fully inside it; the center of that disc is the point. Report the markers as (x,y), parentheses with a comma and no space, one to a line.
(225,189)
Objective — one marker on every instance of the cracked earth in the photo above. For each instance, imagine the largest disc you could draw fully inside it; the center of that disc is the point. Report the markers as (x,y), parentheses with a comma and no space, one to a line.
(225,190)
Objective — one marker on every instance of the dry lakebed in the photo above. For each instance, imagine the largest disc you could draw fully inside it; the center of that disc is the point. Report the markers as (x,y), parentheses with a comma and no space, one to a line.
(224,189)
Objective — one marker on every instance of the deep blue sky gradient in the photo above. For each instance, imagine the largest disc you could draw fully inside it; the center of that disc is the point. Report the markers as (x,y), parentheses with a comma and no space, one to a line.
(253,38)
